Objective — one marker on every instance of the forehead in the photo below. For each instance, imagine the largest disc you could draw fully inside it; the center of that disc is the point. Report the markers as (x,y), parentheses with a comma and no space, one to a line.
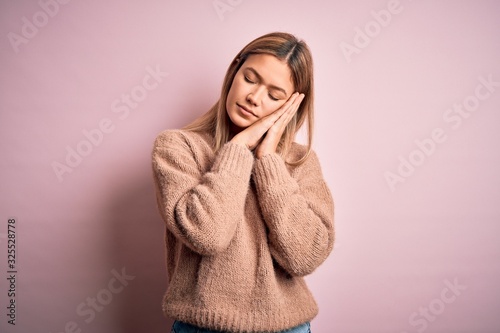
(272,70)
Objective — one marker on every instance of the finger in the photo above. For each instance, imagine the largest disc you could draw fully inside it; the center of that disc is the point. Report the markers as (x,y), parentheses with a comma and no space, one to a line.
(269,120)
(291,101)
(275,121)
(296,103)
(290,113)
(283,108)
(275,132)
(294,106)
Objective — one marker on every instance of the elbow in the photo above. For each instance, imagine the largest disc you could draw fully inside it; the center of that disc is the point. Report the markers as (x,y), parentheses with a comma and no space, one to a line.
(301,271)
(207,241)
(299,266)
(205,246)
(304,267)
(213,246)
(301,263)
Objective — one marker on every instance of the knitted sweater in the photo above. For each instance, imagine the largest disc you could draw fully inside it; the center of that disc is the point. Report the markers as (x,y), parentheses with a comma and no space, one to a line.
(241,233)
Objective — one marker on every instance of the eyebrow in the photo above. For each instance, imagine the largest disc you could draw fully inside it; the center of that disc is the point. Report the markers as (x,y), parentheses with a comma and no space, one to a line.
(273,87)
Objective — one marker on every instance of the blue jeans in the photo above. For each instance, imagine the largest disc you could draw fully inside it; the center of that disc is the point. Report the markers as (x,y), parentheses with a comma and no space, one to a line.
(180,327)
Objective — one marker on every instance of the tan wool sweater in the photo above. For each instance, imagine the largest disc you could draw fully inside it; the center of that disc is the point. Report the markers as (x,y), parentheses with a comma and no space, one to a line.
(241,233)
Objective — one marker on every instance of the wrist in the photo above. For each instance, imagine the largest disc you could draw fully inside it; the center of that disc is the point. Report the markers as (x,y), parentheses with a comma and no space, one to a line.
(263,152)
(238,142)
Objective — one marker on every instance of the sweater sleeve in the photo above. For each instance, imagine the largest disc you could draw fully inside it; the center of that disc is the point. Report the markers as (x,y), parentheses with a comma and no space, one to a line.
(198,207)
(298,211)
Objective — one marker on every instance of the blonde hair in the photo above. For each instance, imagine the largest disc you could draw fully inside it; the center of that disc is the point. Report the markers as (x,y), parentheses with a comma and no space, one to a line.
(296,54)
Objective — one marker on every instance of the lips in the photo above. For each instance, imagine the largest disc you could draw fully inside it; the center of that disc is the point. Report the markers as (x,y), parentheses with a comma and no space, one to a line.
(246,110)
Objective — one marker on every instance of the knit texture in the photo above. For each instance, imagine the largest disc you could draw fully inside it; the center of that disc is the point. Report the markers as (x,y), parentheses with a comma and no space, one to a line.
(241,233)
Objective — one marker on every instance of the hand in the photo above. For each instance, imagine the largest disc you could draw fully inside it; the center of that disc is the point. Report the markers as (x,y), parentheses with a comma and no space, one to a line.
(273,124)
(273,136)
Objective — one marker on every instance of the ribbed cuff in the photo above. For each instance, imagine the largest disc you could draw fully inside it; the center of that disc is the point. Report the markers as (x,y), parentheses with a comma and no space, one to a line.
(270,170)
(234,158)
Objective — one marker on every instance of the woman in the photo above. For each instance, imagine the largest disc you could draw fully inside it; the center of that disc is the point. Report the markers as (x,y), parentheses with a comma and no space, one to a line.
(247,211)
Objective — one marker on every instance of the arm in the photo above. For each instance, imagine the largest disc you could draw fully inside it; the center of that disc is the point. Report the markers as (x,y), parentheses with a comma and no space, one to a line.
(298,211)
(199,207)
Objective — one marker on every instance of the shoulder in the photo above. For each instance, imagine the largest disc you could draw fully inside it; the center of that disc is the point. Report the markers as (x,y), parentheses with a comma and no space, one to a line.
(298,151)
(172,138)
(310,164)
(183,147)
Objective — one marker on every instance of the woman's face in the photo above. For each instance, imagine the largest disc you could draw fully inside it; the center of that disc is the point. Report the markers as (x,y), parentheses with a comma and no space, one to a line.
(261,86)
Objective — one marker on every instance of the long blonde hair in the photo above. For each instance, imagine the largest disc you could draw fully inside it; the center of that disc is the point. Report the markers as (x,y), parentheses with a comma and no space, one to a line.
(296,54)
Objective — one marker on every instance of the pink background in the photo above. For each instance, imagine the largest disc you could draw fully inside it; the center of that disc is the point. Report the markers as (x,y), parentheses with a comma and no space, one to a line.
(398,249)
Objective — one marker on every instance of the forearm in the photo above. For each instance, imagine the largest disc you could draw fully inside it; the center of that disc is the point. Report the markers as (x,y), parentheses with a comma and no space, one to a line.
(199,208)
(299,214)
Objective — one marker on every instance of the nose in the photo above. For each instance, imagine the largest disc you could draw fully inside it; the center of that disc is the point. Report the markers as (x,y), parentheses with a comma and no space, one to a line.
(255,96)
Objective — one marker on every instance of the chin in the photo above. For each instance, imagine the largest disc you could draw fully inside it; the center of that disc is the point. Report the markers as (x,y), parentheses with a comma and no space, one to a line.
(239,121)
(239,125)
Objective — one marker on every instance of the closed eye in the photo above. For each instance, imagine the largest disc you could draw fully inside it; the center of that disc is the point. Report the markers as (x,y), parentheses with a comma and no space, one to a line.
(273,98)
(247,79)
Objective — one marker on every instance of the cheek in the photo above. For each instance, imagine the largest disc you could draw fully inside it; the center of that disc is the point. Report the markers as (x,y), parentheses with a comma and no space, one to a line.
(232,95)
(272,107)
(236,88)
